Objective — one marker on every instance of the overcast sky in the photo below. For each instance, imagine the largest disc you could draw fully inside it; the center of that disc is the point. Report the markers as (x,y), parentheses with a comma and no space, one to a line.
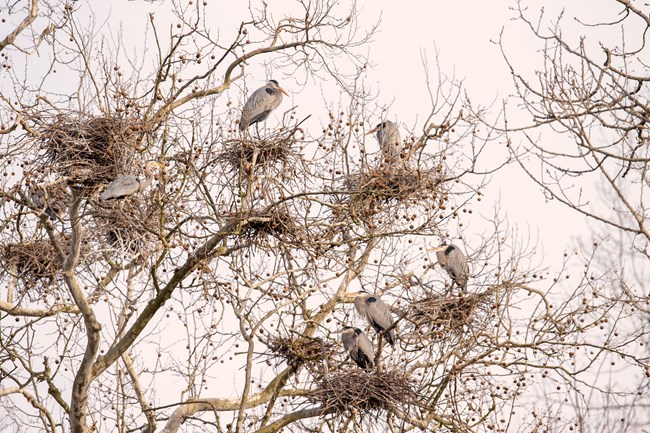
(462,34)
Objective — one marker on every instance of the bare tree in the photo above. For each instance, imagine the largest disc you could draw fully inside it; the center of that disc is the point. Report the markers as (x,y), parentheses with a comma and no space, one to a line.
(584,142)
(210,301)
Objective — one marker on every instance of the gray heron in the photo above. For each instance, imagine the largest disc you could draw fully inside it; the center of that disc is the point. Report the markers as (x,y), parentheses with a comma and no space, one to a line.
(376,312)
(358,346)
(261,103)
(53,201)
(452,260)
(129,184)
(390,141)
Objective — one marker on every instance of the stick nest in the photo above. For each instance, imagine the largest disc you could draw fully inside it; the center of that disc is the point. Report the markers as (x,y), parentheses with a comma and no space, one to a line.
(36,264)
(261,224)
(130,226)
(300,350)
(90,151)
(393,182)
(249,154)
(365,391)
(440,315)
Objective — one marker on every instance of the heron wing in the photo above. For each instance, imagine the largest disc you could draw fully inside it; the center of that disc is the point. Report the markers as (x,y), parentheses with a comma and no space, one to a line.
(121,187)
(380,317)
(366,352)
(457,266)
(259,106)
(349,340)
(390,141)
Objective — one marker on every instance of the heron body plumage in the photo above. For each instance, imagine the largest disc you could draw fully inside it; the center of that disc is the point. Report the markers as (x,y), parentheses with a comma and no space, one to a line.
(377,313)
(121,187)
(129,184)
(260,104)
(452,260)
(358,346)
(390,140)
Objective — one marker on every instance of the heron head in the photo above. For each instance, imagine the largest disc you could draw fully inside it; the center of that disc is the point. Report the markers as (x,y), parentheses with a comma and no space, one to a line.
(276,85)
(355,294)
(150,165)
(442,247)
(344,330)
(376,128)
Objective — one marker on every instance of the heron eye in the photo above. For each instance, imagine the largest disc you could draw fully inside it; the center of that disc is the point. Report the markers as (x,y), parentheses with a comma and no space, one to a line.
(269,90)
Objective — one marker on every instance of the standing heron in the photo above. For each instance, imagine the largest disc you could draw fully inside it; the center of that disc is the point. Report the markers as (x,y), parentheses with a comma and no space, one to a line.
(54,200)
(129,184)
(390,141)
(376,312)
(261,103)
(452,260)
(358,346)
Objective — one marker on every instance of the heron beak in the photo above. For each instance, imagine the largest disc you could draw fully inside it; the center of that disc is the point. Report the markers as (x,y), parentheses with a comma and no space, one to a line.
(351,293)
(435,249)
(372,131)
(282,90)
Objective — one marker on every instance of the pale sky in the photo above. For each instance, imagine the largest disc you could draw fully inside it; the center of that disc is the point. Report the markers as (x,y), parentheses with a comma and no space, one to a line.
(463,35)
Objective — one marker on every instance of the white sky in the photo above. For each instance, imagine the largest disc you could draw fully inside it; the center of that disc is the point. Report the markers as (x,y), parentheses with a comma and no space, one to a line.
(462,32)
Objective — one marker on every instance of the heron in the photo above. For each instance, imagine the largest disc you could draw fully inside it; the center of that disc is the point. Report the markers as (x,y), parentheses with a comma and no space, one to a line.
(261,103)
(376,312)
(358,346)
(390,141)
(452,260)
(129,184)
(53,201)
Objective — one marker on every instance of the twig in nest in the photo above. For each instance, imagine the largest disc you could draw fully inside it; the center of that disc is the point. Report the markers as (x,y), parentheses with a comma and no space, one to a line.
(90,151)
(128,226)
(249,153)
(277,222)
(365,391)
(395,182)
(440,315)
(300,350)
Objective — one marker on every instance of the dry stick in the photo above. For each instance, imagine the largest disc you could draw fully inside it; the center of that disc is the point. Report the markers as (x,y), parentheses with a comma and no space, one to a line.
(205,252)
(31,16)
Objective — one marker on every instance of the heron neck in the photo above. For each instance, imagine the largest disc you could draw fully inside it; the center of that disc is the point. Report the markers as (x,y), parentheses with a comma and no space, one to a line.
(146,182)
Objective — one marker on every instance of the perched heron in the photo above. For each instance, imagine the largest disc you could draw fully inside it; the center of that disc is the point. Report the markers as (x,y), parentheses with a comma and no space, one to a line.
(358,346)
(452,260)
(261,103)
(129,184)
(376,312)
(390,141)
(53,201)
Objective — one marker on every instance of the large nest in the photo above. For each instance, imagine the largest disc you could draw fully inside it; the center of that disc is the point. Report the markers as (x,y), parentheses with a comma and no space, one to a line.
(90,151)
(130,226)
(399,182)
(257,226)
(248,154)
(300,350)
(36,264)
(441,315)
(32,261)
(365,391)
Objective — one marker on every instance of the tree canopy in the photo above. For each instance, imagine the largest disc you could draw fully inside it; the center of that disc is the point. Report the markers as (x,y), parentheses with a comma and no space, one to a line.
(214,298)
